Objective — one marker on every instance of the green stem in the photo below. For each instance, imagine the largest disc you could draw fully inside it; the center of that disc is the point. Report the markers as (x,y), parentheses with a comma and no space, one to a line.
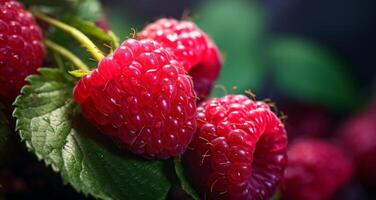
(67,55)
(114,39)
(78,35)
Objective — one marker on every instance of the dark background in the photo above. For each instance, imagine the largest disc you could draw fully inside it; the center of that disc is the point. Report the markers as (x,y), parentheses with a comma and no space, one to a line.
(344,27)
(334,39)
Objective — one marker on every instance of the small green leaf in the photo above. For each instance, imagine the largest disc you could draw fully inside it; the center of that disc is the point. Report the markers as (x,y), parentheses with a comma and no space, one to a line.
(49,124)
(184,183)
(4,132)
(90,10)
(237,28)
(308,72)
(79,73)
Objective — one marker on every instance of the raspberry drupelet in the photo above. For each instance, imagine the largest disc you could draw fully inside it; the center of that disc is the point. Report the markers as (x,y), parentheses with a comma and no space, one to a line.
(239,150)
(141,98)
(21,48)
(192,47)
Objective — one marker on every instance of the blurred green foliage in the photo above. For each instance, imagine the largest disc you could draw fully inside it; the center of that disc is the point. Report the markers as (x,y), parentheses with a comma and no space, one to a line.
(301,70)
(89,10)
(236,27)
(85,9)
(119,24)
(306,71)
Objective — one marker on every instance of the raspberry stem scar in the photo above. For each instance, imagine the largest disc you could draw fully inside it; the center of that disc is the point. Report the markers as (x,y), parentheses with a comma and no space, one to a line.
(67,55)
(78,35)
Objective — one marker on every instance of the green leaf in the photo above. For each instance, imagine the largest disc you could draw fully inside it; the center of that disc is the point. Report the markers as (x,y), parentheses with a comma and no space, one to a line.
(79,73)
(89,10)
(309,72)
(184,183)
(49,124)
(4,132)
(237,27)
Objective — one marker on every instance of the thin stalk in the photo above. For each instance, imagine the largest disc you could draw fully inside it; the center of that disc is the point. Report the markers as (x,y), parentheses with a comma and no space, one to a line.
(114,39)
(67,55)
(78,35)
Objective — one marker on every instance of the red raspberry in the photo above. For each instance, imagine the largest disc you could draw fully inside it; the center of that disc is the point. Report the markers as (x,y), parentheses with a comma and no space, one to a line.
(315,170)
(239,150)
(142,99)
(359,138)
(21,49)
(192,47)
(206,72)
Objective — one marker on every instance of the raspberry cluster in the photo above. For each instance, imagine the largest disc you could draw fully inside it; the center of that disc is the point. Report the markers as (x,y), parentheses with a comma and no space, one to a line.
(150,96)
(239,150)
(21,49)
(142,98)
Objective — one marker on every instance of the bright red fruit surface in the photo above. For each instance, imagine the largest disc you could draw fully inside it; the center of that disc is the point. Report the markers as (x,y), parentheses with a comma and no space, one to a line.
(206,72)
(315,170)
(239,150)
(21,49)
(142,98)
(192,47)
(359,139)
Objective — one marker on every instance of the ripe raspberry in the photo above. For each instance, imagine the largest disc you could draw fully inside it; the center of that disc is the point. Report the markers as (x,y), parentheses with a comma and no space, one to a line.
(315,170)
(21,49)
(142,99)
(358,136)
(206,72)
(192,47)
(239,150)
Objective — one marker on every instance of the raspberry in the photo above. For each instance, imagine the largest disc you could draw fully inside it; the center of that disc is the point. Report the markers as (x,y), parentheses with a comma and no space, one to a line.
(358,136)
(142,98)
(206,72)
(315,170)
(21,49)
(239,150)
(192,47)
